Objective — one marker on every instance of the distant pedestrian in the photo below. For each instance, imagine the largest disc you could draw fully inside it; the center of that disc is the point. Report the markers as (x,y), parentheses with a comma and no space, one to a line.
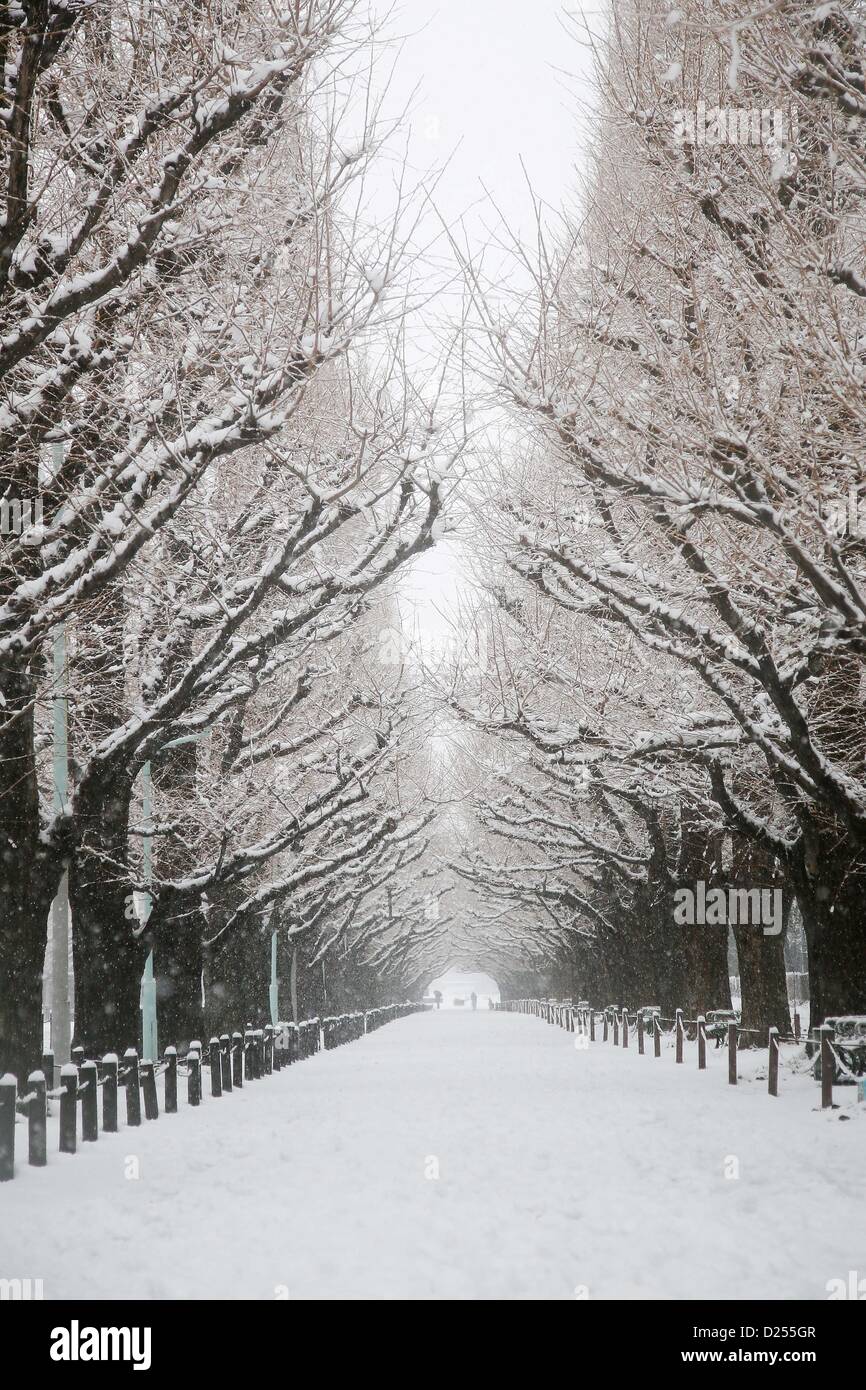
(474,997)
(437,995)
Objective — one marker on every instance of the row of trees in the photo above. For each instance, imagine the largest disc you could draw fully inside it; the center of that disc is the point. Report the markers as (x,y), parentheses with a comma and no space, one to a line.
(223,476)
(216,466)
(676,687)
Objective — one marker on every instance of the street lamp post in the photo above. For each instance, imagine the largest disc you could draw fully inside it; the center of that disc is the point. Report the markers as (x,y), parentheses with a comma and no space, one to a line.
(61,1013)
(273,992)
(147,998)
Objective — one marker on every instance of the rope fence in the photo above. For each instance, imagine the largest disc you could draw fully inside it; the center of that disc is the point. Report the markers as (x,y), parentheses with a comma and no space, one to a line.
(231,1059)
(618,1026)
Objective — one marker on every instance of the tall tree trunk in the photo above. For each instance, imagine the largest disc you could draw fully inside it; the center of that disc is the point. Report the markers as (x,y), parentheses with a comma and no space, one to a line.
(30,872)
(109,950)
(707,983)
(180,963)
(762,982)
(311,991)
(178,950)
(763,985)
(654,913)
(830,883)
(829,868)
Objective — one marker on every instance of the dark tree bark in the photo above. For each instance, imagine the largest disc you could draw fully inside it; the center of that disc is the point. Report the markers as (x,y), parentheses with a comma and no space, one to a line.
(237,973)
(829,880)
(109,950)
(30,872)
(178,938)
(707,984)
(761,958)
(179,962)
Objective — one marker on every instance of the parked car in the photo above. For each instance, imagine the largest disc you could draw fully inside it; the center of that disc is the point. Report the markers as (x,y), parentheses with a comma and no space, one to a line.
(647,1012)
(717,1021)
(849,1044)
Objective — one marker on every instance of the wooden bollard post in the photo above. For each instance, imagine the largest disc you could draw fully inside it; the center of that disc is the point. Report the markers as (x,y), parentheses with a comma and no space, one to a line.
(625,1028)
(679,1028)
(8,1097)
(732,1054)
(237,1059)
(702,1043)
(278,1035)
(109,1093)
(68,1107)
(226,1061)
(592,1025)
(48,1069)
(148,1090)
(249,1058)
(269,1049)
(827,1068)
(796,1025)
(773,1069)
(89,1077)
(640,1035)
(216,1084)
(260,1053)
(133,1087)
(604,1034)
(193,1074)
(77,1055)
(37,1121)
(616,1030)
(171,1081)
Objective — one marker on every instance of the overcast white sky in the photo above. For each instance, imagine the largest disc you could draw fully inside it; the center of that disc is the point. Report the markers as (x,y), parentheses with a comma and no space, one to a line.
(488,89)
(488,84)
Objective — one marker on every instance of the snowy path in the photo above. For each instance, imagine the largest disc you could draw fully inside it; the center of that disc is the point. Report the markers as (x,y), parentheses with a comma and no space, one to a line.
(557,1169)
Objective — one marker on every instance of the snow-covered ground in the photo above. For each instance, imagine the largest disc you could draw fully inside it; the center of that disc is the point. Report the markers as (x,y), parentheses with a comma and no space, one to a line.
(462,1156)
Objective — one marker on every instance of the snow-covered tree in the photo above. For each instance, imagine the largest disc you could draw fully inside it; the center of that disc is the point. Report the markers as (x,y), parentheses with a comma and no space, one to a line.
(692,359)
(181,265)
